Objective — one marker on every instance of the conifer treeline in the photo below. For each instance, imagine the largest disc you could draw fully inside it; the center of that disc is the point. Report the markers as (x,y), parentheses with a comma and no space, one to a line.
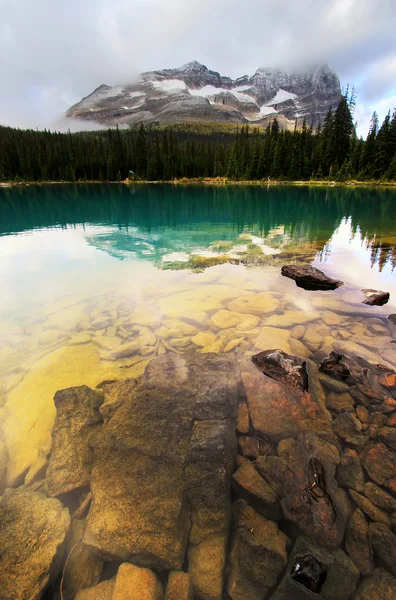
(153,153)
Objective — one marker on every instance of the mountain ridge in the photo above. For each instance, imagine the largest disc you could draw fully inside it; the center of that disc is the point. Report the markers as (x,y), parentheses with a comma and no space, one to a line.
(193,92)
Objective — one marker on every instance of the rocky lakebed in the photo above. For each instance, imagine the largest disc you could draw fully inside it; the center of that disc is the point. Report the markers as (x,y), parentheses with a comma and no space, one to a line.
(236,472)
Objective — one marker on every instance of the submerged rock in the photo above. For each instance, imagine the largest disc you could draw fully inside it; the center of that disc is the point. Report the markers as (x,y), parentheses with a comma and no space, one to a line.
(288,369)
(384,544)
(101,591)
(375,297)
(310,278)
(179,586)
(358,544)
(32,531)
(380,585)
(333,365)
(257,556)
(133,582)
(248,484)
(77,417)
(162,469)
(380,464)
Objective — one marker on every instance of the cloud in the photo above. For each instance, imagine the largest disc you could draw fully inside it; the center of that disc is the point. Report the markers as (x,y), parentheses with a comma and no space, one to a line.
(55,51)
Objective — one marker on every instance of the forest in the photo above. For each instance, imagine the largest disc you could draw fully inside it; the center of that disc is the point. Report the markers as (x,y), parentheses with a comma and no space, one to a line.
(164,153)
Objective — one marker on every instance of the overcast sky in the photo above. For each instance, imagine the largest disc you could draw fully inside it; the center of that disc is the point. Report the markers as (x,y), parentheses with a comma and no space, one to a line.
(54,52)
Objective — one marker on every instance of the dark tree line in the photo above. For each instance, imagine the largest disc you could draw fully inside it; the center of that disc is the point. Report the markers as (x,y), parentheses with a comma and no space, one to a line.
(333,151)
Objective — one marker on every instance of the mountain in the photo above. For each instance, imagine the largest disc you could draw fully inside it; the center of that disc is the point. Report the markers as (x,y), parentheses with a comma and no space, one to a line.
(192,92)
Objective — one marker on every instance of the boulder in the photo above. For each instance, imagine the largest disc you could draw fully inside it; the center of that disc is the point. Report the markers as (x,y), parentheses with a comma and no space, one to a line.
(248,484)
(243,418)
(380,585)
(258,554)
(384,545)
(375,297)
(179,586)
(358,544)
(77,418)
(162,468)
(380,464)
(375,513)
(279,412)
(349,471)
(340,402)
(310,278)
(387,435)
(310,495)
(333,365)
(101,591)
(349,429)
(83,568)
(288,369)
(32,532)
(315,572)
(379,497)
(272,469)
(133,582)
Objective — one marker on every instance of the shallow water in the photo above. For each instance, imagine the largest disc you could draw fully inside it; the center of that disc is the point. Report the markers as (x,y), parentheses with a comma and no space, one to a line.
(97,280)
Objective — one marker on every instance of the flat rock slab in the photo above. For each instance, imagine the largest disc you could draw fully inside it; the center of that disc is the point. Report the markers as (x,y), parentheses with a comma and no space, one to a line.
(310,278)
(375,297)
(32,531)
(163,461)
(279,412)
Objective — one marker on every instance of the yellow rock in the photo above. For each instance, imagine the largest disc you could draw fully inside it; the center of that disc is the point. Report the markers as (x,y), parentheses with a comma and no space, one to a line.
(331,318)
(134,583)
(79,338)
(203,338)
(272,338)
(255,304)
(30,410)
(107,342)
(145,336)
(147,350)
(51,336)
(180,342)
(232,344)
(69,319)
(292,318)
(193,301)
(298,348)
(227,318)
(146,316)
(185,328)
(312,339)
(214,347)
(162,332)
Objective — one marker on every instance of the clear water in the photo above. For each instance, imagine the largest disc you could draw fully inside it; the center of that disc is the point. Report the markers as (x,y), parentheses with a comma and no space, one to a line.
(97,280)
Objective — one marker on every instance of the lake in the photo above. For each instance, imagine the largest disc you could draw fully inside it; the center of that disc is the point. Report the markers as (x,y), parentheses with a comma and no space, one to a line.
(99,279)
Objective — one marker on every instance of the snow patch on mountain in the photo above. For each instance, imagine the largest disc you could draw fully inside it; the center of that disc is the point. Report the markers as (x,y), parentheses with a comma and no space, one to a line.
(169,85)
(281,96)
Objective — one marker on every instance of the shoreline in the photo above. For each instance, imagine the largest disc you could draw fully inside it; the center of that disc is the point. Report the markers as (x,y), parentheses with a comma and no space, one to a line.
(210,181)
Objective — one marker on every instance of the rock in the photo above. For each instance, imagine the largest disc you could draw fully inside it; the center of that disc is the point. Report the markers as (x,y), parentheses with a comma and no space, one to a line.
(206,566)
(248,446)
(279,412)
(384,545)
(380,585)
(256,304)
(272,469)
(312,339)
(289,370)
(350,472)
(286,447)
(32,531)
(232,344)
(339,387)
(363,414)
(101,591)
(313,571)
(257,556)
(3,465)
(380,464)
(162,468)
(133,582)
(297,332)
(340,402)
(272,337)
(387,435)
(331,318)
(125,350)
(310,278)
(349,429)
(179,586)
(298,348)
(77,418)
(248,484)
(375,513)
(309,495)
(375,297)
(188,304)
(243,418)
(101,323)
(333,365)
(83,568)
(357,543)
(379,497)
(224,319)
(292,318)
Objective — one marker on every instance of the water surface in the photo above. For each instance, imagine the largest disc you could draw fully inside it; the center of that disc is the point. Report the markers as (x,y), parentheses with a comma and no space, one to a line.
(99,279)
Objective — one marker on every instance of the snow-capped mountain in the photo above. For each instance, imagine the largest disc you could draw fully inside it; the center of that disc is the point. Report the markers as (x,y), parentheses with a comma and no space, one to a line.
(192,92)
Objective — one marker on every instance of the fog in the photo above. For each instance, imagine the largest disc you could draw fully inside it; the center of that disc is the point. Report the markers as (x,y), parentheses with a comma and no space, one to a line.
(55,52)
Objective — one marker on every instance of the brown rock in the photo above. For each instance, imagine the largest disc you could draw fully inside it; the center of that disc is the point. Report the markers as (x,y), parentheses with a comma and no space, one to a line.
(101,591)
(248,446)
(363,414)
(380,464)
(278,412)
(272,469)
(384,544)
(285,368)
(248,484)
(257,556)
(380,585)
(350,472)
(243,419)
(77,418)
(375,513)
(32,531)
(286,447)
(387,435)
(357,543)
(3,465)
(206,563)
(379,497)
(310,278)
(309,496)
(133,582)
(375,297)
(340,402)
(349,429)
(179,586)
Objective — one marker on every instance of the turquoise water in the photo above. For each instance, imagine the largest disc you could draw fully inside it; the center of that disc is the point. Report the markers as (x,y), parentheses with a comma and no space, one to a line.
(99,279)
